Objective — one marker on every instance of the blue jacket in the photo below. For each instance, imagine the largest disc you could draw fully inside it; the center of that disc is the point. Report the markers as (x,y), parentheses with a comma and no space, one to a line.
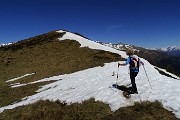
(128,62)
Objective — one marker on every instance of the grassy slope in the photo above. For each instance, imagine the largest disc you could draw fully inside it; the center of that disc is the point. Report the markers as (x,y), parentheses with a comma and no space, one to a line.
(48,56)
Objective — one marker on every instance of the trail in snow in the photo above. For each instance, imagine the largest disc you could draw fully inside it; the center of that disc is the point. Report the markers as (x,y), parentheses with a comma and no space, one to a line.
(96,82)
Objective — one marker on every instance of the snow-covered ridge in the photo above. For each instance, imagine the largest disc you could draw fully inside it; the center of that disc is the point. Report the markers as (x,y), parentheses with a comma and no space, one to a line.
(88,43)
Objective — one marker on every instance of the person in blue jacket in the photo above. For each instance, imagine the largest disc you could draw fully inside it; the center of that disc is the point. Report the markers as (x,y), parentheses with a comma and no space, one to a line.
(134,63)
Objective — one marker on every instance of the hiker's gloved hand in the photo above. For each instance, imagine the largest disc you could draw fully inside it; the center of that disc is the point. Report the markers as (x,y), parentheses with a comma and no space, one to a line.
(142,63)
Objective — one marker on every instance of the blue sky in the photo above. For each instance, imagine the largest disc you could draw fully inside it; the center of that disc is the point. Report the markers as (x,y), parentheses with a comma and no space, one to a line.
(146,23)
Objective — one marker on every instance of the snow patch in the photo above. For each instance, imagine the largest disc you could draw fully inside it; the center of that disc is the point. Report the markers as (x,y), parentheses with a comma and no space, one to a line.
(14,79)
(96,83)
(91,44)
(43,80)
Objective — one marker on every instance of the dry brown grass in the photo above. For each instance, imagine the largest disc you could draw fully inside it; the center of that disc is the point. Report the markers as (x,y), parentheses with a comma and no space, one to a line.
(143,111)
(88,110)
(47,56)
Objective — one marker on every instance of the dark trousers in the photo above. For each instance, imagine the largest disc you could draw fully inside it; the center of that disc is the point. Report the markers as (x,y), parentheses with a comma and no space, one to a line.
(132,76)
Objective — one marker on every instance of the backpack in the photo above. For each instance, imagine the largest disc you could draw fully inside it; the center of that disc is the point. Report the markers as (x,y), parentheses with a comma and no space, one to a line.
(134,62)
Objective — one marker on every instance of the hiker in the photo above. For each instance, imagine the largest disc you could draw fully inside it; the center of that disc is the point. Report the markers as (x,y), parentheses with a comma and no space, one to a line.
(134,62)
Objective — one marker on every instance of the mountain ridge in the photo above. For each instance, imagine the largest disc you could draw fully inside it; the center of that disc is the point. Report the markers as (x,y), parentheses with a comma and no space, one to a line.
(76,69)
(174,50)
(164,59)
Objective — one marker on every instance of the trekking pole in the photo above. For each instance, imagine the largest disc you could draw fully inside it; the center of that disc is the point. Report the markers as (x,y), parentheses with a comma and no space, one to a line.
(117,76)
(147,77)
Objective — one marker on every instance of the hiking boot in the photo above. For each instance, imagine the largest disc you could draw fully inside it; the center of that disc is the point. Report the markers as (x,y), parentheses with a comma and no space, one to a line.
(132,91)
(136,92)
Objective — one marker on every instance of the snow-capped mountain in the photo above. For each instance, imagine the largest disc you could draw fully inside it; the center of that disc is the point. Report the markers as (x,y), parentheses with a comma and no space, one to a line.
(119,46)
(97,83)
(174,50)
(168,49)
(5,44)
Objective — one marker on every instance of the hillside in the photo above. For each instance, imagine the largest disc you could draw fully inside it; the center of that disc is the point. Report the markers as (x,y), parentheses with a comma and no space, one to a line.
(75,69)
(45,56)
(46,52)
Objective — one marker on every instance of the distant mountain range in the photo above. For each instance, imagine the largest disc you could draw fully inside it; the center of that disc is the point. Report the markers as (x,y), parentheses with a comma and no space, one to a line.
(174,50)
(118,46)
(162,58)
